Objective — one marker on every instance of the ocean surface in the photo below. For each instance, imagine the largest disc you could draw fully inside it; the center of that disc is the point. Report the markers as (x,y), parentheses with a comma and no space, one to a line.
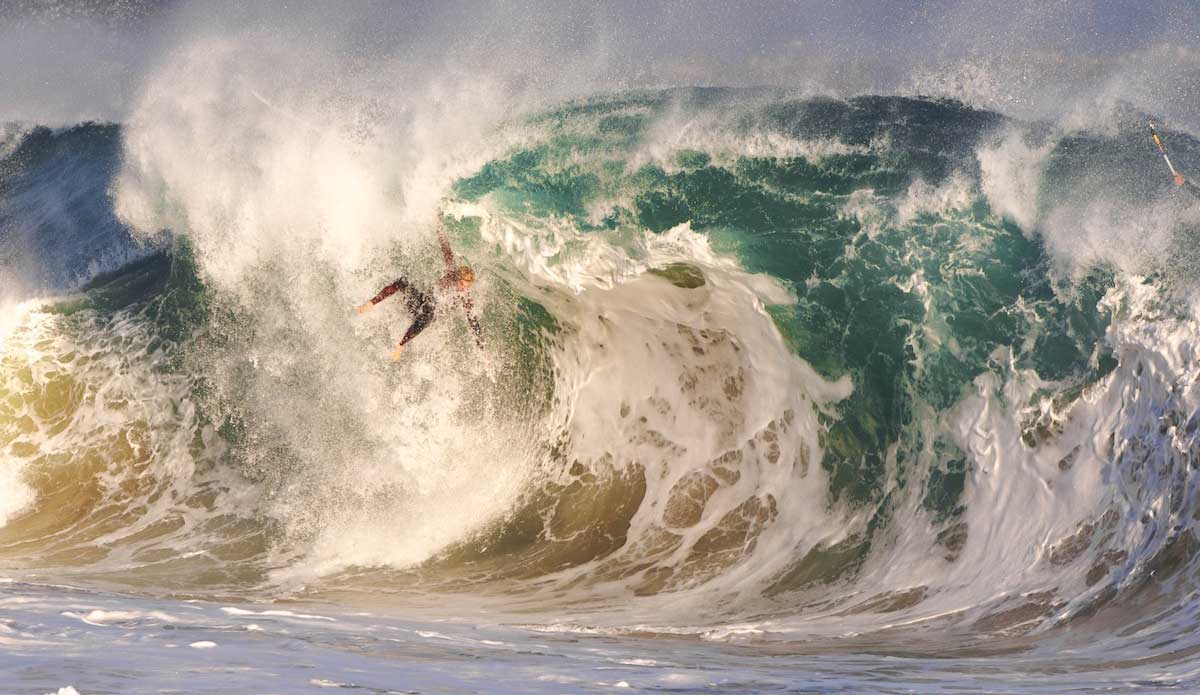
(778,393)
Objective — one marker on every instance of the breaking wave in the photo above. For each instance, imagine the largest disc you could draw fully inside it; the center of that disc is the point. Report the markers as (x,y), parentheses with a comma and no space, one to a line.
(755,366)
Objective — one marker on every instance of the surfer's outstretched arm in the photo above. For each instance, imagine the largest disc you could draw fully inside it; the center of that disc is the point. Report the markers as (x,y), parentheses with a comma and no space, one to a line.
(472,320)
(386,292)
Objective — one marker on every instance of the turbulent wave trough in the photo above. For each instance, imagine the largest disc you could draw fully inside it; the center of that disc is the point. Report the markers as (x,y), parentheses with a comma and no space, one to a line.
(854,384)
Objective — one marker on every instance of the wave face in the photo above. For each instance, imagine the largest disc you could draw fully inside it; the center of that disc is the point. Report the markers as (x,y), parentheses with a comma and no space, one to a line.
(883,370)
(59,227)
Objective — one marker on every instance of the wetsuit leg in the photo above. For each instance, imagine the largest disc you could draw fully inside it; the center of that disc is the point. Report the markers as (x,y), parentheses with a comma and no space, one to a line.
(421,306)
(391,289)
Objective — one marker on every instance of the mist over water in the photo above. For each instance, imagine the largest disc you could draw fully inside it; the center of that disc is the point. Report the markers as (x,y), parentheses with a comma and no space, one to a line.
(801,340)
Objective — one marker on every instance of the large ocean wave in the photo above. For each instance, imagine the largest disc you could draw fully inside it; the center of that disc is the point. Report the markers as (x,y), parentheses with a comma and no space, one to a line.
(756,367)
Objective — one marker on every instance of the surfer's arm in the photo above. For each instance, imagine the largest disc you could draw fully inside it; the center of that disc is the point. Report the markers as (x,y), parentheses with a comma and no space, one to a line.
(472,320)
(447,254)
(384,294)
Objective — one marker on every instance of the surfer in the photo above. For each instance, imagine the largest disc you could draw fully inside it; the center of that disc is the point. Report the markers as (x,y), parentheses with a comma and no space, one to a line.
(421,305)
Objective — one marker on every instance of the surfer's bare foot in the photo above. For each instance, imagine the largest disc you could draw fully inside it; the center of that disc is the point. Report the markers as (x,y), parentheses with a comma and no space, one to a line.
(365,308)
(396,353)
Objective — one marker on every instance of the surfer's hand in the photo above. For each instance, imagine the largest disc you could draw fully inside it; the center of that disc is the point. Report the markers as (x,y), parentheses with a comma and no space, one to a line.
(1179,179)
(365,308)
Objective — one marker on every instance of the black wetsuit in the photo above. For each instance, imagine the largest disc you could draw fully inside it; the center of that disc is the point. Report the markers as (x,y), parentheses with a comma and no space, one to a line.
(421,306)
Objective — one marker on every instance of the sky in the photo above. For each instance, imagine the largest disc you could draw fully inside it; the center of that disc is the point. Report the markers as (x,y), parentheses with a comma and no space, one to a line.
(65,62)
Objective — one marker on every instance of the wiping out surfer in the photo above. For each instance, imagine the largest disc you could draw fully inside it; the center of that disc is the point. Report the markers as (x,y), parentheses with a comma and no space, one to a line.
(458,279)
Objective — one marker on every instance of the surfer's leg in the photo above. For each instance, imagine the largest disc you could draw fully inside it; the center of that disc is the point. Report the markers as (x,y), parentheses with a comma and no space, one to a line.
(398,285)
(423,318)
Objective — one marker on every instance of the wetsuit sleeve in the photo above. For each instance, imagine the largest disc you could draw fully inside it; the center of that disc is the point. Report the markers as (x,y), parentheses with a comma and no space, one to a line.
(447,254)
(472,320)
(390,290)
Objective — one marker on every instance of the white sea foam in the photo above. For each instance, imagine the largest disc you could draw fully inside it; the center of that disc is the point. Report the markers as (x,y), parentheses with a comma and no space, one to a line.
(233,610)
(294,224)
(1011,176)
(740,384)
(102,618)
(15,493)
(76,395)
(678,131)
(1084,226)
(956,193)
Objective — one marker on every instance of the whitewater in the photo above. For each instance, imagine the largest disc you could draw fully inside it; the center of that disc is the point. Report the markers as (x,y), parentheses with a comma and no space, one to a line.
(782,388)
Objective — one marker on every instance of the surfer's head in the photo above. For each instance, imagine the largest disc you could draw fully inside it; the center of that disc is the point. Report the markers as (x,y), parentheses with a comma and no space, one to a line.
(464,277)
